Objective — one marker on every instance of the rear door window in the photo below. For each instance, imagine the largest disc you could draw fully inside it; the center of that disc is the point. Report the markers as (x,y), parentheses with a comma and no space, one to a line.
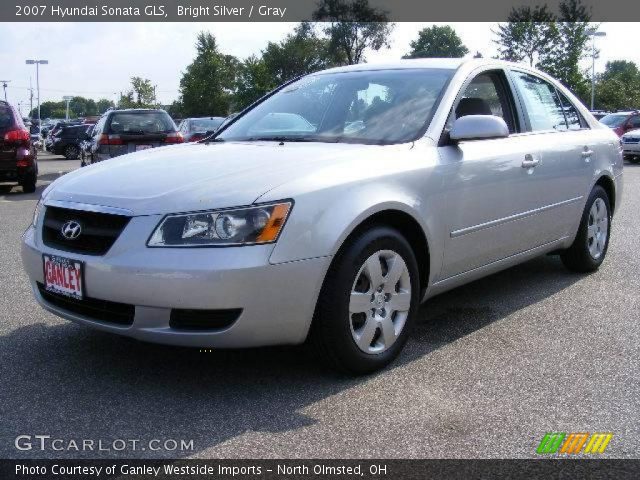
(141,123)
(542,103)
(574,119)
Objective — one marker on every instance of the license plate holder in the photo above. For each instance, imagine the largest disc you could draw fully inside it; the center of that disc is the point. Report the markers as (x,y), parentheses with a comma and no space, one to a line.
(143,147)
(63,276)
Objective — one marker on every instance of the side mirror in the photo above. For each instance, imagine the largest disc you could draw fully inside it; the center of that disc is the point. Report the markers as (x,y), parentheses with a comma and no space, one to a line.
(477,127)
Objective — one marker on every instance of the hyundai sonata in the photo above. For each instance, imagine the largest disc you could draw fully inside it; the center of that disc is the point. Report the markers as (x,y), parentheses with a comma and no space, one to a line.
(328,211)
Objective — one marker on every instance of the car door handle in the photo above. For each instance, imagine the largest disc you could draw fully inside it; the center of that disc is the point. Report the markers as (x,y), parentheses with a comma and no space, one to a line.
(529,161)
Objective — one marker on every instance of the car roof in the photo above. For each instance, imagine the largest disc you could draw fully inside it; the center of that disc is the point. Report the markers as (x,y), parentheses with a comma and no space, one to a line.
(447,63)
(136,110)
(427,63)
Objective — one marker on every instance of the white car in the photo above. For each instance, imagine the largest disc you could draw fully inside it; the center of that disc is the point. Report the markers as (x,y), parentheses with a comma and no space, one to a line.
(631,145)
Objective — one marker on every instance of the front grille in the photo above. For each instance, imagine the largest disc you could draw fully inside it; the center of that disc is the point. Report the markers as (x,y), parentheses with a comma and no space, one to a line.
(99,230)
(183,319)
(100,310)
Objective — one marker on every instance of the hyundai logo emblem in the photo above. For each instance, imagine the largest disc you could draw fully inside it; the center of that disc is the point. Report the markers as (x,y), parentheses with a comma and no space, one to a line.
(71,230)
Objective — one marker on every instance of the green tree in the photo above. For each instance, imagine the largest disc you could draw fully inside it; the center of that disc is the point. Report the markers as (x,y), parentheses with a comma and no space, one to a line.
(141,94)
(144,91)
(252,82)
(103,105)
(618,87)
(528,34)
(300,53)
(49,109)
(206,88)
(353,26)
(175,109)
(437,42)
(571,45)
(82,107)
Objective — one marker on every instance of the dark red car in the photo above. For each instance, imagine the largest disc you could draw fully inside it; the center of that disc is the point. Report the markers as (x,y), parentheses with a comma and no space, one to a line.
(622,122)
(17,161)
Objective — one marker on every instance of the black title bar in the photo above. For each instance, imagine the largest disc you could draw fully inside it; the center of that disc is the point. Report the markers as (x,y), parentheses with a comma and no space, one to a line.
(318,469)
(286,10)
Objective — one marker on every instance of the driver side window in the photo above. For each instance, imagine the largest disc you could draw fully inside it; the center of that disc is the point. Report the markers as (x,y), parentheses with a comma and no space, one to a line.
(487,94)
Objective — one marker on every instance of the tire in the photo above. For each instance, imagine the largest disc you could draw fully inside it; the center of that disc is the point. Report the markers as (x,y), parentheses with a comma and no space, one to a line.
(335,328)
(29,186)
(589,249)
(71,152)
(635,160)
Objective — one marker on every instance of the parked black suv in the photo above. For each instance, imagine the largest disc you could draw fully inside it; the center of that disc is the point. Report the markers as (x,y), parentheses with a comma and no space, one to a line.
(17,162)
(67,141)
(124,131)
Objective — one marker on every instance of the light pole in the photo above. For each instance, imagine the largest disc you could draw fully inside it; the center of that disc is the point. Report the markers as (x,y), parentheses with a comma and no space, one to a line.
(4,85)
(67,99)
(593,34)
(37,64)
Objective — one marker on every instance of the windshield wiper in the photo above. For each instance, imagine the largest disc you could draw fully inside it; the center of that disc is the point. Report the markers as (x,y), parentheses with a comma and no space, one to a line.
(207,141)
(281,139)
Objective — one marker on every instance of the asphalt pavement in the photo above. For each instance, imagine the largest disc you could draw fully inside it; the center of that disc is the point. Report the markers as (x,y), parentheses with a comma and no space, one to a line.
(491,367)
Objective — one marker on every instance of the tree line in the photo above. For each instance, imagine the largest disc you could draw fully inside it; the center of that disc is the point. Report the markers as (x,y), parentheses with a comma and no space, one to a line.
(343,31)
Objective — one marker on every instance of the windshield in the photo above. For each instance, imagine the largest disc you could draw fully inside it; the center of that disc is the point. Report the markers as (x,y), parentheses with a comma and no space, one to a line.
(141,123)
(201,125)
(381,107)
(613,120)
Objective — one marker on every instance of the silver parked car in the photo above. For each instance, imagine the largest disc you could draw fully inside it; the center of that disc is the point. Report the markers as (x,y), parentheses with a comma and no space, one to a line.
(387,185)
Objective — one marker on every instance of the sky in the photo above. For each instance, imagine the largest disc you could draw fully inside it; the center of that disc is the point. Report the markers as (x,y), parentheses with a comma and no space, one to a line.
(96,60)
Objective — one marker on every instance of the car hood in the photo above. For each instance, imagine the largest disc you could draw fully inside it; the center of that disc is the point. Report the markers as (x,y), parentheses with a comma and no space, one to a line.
(195,177)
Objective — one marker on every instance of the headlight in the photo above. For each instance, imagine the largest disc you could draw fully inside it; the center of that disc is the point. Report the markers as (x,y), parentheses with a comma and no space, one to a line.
(36,213)
(242,226)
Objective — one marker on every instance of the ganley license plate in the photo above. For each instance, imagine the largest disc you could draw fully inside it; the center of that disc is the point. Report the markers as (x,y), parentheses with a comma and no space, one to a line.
(63,275)
(143,147)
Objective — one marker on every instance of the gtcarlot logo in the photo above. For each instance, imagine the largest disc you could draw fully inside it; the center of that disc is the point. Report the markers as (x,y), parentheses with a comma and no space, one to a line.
(48,443)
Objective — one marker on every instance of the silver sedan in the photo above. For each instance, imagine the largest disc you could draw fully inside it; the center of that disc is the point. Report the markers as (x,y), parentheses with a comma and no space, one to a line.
(330,210)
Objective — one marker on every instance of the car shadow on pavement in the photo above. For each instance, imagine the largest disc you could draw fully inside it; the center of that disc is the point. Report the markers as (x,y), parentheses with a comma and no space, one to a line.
(14,193)
(72,382)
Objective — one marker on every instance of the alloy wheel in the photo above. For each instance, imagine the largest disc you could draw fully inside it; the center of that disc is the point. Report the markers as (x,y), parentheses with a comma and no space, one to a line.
(597,228)
(380,301)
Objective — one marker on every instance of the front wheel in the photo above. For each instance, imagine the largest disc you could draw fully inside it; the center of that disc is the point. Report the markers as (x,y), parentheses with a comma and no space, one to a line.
(368,302)
(588,250)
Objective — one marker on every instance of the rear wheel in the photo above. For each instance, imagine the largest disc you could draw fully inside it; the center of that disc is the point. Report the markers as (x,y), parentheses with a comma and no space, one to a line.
(368,302)
(29,185)
(71,152)
(588,250)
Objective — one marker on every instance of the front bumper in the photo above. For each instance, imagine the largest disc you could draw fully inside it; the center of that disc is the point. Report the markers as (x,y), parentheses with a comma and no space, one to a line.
(277,301)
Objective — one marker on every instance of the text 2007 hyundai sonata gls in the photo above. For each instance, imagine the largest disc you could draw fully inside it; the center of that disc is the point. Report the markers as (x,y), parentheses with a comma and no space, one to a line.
(330,210)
